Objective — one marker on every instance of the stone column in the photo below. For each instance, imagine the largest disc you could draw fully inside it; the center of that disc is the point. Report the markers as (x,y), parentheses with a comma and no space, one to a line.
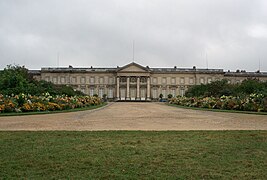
(128,89)
(148,89)
(118,89)
(138,89)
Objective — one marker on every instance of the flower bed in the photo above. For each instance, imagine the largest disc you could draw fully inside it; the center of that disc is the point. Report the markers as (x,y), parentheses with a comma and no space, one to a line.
(28,103)
(253,102)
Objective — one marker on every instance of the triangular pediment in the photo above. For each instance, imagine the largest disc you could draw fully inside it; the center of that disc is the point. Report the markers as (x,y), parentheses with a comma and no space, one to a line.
(133,67)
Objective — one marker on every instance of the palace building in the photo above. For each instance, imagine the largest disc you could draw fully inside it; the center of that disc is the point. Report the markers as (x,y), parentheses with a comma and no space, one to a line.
(134,82)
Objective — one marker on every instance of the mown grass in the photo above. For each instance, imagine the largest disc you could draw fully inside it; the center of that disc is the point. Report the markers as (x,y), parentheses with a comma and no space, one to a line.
(52,112)
(134,155)
(217,110)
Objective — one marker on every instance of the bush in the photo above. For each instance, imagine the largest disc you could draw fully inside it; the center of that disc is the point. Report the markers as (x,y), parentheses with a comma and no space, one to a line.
(252,102)
(45,102)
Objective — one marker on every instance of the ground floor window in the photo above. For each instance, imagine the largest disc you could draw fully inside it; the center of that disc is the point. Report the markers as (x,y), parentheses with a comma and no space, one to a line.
(164,93)
(92,91)
(143,93)
(173,92)
(110,93)
(100,94)
(133,93)
(82,90)
(122,93)
(182,92)
(155,94)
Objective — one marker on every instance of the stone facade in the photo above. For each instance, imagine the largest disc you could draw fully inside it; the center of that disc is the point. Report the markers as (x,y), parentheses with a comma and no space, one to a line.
(136,82)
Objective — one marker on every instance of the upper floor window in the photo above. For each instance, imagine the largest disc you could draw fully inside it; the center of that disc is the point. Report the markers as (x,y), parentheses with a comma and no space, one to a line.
(123,79)
(92,80)
(133,80)
(182,80)
(73,80)
(111,80)
(143,80)
(101,80)
(82,80)
(202,81)
(164,80)
(62,79)
(54,79)
(155,80)
(191,80)
(47,78)
(173,80)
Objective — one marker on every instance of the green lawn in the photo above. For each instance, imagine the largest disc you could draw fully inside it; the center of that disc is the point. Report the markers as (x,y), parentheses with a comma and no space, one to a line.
(134,155)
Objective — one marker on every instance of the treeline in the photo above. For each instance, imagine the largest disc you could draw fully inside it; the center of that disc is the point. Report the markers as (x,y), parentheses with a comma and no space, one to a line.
(220,88)
(16,79)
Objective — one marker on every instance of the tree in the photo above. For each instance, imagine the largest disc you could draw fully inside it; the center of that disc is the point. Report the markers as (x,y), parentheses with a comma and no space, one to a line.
(222,87)
(15,79)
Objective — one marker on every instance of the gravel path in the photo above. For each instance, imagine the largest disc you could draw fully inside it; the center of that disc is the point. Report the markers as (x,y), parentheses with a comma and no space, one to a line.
(136,116)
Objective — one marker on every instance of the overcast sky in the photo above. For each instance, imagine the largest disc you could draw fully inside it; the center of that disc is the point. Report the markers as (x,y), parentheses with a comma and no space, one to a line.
(228,34)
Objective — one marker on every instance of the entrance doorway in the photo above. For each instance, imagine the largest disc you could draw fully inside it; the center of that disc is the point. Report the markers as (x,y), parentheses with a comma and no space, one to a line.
(122,93)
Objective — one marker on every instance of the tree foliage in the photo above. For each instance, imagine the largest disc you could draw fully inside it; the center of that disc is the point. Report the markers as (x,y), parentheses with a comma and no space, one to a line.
(16,79)
(220,88)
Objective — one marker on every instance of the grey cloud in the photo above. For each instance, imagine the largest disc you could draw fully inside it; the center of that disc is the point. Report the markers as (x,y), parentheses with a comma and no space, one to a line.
(166,33)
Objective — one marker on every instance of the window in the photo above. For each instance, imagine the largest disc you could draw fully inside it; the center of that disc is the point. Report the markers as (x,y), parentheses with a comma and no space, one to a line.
(182,92)
(92,91)
(173,92)
(173,80)
(209,80)
(123,79)
(47,78)
(132,79)
(73,80)
(164,80)
(55,80)
(155,81)
(82,90)
(111,80)
(182,80)
(164,93)
(92,80)
(155,94)
(62,79)
(202,81)
(82,80)
(143,80)
(101,80)
(191,80)
(110,93)
(101,90)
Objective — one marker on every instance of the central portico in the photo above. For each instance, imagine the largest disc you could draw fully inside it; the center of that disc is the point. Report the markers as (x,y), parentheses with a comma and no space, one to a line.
(133,83)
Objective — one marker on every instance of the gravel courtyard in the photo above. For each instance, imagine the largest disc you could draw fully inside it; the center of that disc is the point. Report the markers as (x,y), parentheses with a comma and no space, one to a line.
(136,116)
